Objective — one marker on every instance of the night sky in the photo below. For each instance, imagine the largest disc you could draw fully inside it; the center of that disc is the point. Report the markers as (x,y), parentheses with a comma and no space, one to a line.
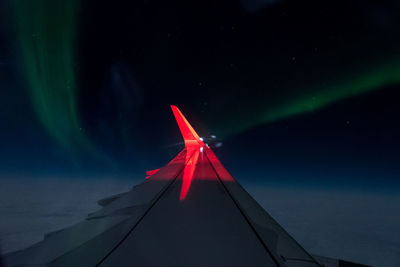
(302,94)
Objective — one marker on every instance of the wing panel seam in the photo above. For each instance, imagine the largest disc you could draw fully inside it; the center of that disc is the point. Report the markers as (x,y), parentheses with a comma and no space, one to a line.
(144,215)
(243,214)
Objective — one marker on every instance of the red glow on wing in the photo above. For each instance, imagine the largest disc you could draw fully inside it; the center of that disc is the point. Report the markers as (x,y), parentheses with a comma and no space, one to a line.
(189,134)
(222,173)
(194,147)
(188,173)
(151,172)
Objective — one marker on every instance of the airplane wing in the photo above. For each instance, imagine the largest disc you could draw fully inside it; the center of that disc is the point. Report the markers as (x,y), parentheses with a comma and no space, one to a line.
(191,212)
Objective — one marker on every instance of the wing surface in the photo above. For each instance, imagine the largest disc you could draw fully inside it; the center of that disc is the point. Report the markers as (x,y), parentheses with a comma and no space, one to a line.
(191,212)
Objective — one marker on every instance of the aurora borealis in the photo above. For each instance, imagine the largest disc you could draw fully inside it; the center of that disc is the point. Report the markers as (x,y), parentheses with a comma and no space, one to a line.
(323,95)
(383,75)
(46,41)
(98,90)
(302,96)
(56,44)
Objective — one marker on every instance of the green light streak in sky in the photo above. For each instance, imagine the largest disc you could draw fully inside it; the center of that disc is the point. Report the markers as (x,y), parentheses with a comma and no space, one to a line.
(46,36)
(386,74)
(320,96)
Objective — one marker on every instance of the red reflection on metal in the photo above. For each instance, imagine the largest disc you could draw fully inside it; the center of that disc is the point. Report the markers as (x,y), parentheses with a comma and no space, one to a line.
(193,145)
(190,136)
(222,173)
(151,172)
(188,173)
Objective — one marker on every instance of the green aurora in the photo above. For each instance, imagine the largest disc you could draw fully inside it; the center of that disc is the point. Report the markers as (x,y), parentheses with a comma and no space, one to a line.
(47,37)
(385,74)
(46,32)
(316,96)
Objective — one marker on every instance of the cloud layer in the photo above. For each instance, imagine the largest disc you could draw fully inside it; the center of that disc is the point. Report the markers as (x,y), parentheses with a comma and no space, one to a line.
(355,226)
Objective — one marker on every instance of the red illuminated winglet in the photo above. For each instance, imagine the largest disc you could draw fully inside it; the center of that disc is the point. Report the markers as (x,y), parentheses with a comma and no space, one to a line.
(193,144)
(189,134)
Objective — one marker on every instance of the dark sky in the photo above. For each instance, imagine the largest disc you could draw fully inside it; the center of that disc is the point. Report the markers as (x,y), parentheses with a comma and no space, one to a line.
(302,95)
(303,91)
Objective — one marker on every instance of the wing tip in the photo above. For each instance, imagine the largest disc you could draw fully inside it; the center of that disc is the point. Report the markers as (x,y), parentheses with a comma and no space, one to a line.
(187,131)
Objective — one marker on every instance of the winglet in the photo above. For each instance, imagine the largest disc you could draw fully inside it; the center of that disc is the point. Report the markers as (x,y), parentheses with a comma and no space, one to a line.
(189,134)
